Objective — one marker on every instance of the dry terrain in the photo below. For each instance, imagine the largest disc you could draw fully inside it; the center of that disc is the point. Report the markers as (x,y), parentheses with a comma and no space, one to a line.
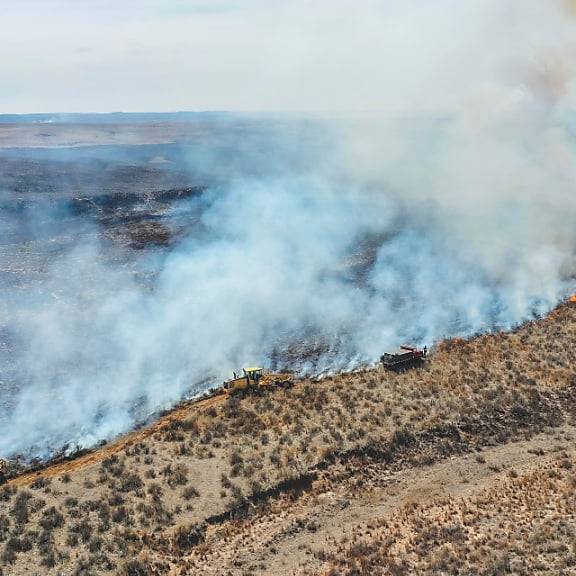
(30,133)
(465,466)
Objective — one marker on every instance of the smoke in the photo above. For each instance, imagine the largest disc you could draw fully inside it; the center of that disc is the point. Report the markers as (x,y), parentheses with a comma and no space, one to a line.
(494,176)
(448,210)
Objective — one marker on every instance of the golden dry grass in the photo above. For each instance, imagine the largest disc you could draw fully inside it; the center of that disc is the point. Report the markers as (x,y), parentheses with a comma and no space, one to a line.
(524,526)
(143,508)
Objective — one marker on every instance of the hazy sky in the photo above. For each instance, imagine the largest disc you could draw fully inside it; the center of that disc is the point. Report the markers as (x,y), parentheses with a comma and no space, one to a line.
(329,55)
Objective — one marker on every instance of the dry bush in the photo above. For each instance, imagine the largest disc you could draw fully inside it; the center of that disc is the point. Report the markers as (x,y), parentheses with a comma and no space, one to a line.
(20,507)
(507,530)
(40,482)
(51,519)
(189,493)
(130,482)
(135,567)
(176,475)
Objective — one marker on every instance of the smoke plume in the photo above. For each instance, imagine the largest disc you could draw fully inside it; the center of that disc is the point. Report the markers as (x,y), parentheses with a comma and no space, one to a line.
(446,210)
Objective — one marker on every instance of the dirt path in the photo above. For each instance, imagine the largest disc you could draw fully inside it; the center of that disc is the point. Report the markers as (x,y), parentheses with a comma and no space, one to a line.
(95,457)
(290,538)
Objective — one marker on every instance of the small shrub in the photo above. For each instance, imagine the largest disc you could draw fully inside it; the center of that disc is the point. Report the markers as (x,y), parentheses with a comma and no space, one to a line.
(10,551)
(190,492)
(155,490)
(121,515)
(48,559)
(6,493)
(130,482)
(177,476)
(83,529)
(135,568)
(40,482)
(71,502)
(20,507)
(72,540)
(4,527)
(51,519)
(95,544)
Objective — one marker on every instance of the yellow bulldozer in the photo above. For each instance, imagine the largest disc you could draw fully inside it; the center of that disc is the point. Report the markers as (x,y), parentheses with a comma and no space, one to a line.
(254,379)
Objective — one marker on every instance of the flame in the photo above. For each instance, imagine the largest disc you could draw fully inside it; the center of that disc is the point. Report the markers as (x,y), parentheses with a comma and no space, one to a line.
(572,298)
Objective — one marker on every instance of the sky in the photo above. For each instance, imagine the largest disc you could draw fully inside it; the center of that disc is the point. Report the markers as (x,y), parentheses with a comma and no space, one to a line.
(257,55)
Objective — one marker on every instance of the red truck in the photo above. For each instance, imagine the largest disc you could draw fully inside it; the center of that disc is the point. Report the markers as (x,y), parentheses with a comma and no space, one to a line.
(404,357)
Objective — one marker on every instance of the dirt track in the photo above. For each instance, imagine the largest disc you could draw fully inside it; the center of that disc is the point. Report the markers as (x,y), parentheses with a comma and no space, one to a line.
(96,456)
(290,539)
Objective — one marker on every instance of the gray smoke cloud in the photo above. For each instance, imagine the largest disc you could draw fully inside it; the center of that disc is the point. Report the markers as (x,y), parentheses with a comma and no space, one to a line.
(448,215)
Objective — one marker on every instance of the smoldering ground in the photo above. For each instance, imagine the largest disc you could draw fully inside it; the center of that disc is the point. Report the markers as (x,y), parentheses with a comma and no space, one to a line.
(452,216)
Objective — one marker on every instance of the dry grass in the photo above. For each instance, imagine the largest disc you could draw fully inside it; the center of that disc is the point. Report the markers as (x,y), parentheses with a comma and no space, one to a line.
(135,504)
(525,526)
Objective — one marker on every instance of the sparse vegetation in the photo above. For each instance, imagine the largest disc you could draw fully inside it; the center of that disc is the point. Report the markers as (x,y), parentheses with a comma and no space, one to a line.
(524,526)
(238,456)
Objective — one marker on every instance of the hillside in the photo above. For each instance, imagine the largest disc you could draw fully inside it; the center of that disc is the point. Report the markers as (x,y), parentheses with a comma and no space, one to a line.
(362,473)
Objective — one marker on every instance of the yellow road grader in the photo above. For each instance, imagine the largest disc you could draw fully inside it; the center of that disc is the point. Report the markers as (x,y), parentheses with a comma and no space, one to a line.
(254,379)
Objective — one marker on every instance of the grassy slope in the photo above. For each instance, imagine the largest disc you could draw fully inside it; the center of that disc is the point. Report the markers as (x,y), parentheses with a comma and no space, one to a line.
(524,525)
(147,508)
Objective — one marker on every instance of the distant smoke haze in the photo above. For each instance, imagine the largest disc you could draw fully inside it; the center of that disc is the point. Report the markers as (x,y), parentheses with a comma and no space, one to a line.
(448,212)
(320,55)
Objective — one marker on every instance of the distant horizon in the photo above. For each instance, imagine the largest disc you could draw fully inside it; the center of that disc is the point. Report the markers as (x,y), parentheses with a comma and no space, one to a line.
(70,117)
(65,115)
(133,117)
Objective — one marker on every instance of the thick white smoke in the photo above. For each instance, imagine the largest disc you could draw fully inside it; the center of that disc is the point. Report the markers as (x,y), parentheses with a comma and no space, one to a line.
(494,178)
(452,215)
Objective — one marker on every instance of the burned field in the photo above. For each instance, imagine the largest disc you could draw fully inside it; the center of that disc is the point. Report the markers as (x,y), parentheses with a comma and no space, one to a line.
(124,201)
(366,473)
(89,214)
(46,193)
